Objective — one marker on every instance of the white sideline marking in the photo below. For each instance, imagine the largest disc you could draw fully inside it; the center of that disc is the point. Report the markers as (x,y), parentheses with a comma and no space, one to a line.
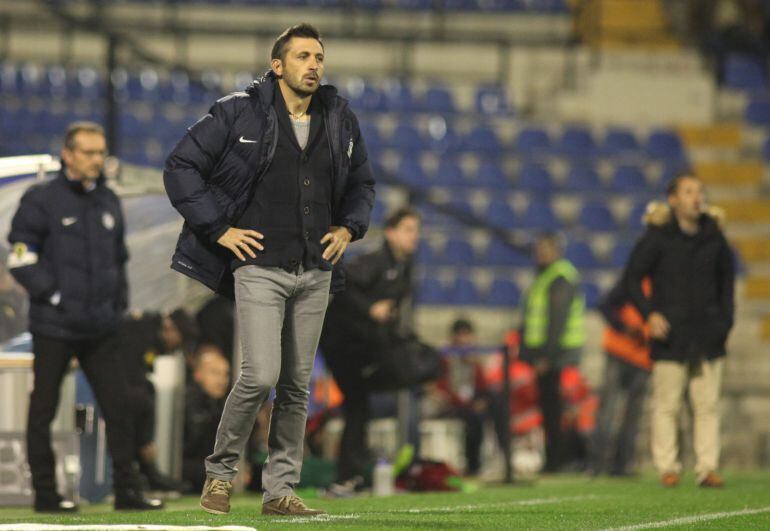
(313,519)
(534,501)
(691,519)
(120,527)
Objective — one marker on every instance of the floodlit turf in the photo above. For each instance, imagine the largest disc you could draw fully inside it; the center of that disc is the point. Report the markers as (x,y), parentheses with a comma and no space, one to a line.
(566,502)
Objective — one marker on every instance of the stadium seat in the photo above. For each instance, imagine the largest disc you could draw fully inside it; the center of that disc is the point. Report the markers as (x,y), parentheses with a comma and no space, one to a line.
(431,291)
(438,100)
(458,252)
(503,292)
(500,214)
(499,253)
(372,137)
(577,142)
(665,145)
(491,101)
(620,254)
(540,216)
(464,292)
(491,175)
(398,96)
(482,140)
(596,216)
(634,221)
(581,255)
(379,211)
(533,141)
(592,294)
(410,172)
(535,177)
(629,179)
(449,173)
(619,141)
(425,254)
(582,178)
(744,73)
(407,139)
(758,112)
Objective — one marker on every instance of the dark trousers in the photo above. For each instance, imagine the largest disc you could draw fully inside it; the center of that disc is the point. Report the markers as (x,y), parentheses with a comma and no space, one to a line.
(620,408)
(474,429)
(549,386)
(98,360)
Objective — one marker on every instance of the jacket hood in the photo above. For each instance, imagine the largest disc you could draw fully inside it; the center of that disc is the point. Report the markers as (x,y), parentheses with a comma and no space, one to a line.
(263,88)
(658,214)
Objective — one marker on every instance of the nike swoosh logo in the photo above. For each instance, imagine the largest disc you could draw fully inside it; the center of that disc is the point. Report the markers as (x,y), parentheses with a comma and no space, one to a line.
(68,221)
(247,141)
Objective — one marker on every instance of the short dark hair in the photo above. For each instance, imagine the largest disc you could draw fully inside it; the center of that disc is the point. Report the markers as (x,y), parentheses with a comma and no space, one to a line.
(303,30)
(673,185)
(462,325)
(398,215)
(555,238)
(79,127)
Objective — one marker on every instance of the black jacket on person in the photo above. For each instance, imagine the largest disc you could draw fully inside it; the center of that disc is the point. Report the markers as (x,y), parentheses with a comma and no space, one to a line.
(212,172)
(348,328)
(692,286)
(71,241)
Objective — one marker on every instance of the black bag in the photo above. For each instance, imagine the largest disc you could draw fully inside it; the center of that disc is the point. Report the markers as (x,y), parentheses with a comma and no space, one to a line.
(403,362)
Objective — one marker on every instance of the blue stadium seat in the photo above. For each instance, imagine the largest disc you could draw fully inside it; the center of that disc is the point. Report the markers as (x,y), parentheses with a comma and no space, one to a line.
(500,214)
(449,173)
(9,79)
(483,140)
(581,255)
(407,139)
(410,172)
(491,175)
(744,73)
(491,101)
(665,145)
(503,292)
(630,179)
(596,217)
(399,97)
(464,291)
(372,137)
(369,98)
(431,291)
(535,177)
(592,294)
(577,142)
(379,211)
(425,254)
(438,100)
(583,178)
(619,141)
(634,221)
(620,254)
(441,136)
(499,253)
(458,252)
(533,141)
(540,216)
(758,112)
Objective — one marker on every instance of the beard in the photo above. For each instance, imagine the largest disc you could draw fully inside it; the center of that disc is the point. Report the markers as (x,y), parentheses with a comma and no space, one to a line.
(298,86)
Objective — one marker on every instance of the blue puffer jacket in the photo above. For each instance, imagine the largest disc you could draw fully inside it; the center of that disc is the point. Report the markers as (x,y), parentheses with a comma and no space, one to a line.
(211,174)
(71,242)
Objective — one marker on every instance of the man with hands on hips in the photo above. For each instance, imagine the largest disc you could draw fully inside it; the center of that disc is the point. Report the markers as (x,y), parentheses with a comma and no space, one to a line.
(273,183)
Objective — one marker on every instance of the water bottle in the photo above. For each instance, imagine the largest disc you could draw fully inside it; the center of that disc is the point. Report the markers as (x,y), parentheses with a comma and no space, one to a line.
(382,484)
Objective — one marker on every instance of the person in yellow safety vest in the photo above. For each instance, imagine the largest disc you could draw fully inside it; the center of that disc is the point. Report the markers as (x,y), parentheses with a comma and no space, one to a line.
(553,334)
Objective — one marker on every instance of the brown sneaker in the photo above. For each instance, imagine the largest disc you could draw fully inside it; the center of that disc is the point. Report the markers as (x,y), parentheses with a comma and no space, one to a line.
(669,479)
(289,506)
(216,496)
(712,480)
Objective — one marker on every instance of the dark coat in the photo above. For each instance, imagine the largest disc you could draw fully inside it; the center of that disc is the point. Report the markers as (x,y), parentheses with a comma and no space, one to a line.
(70,241)
(692,286)
(212,172)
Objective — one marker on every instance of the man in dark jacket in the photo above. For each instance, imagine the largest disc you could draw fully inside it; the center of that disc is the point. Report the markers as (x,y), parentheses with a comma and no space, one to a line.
(69,254)
(273,184)
(141,338)
(553,335)
(690,316)
(358,320)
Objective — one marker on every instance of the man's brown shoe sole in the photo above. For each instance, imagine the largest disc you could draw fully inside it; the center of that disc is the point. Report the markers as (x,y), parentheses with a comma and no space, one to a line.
(212,511)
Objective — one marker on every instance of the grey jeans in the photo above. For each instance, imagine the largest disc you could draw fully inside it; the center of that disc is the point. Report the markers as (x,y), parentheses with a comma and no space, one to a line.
(280,316)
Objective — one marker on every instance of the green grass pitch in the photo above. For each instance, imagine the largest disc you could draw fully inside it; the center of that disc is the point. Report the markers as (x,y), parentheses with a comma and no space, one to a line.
(560,502)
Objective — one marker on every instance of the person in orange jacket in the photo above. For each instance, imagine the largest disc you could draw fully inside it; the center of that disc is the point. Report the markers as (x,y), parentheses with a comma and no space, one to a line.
(626,342)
